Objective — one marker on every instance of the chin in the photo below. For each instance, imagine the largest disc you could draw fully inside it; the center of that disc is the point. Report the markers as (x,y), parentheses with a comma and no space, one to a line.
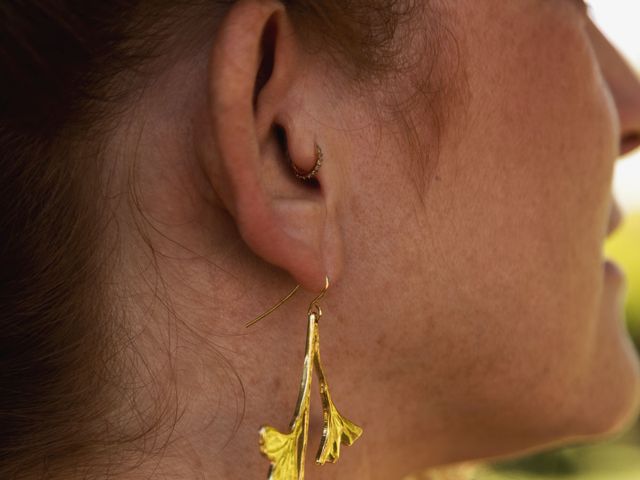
(611,403)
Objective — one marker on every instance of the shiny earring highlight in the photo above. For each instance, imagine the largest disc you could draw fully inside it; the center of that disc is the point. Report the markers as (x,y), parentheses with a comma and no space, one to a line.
(286,451)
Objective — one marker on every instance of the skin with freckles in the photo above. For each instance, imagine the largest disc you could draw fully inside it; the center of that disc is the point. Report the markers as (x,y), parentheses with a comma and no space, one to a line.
(470,315)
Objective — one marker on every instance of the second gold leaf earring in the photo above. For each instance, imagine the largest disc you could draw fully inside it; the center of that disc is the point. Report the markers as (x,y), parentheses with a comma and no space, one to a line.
(286,451)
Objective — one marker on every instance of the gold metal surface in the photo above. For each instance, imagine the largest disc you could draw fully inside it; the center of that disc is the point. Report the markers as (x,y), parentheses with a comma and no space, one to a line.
(337,429)
(286,451)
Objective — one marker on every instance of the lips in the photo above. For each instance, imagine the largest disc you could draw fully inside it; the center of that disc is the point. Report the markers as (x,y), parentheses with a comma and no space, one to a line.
(615,217)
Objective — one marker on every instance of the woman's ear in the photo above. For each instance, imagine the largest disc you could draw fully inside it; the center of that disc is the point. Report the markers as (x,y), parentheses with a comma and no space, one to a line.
(258,117)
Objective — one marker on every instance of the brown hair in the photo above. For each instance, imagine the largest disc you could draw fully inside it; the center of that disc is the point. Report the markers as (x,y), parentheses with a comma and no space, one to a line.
(63,62)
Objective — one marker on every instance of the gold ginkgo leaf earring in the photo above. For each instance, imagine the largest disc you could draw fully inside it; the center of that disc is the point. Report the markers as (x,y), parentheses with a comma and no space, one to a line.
(286,451)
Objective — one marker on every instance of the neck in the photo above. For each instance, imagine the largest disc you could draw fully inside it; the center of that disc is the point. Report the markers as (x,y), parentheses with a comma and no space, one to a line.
(201,385)
(208,383)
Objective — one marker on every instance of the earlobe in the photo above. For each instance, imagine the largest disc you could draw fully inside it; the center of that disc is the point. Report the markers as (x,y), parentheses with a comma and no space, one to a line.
(251,81)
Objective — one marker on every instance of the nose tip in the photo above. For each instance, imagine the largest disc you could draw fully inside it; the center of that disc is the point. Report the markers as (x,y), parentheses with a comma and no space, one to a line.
(628,104)
(624,85)
(626,92)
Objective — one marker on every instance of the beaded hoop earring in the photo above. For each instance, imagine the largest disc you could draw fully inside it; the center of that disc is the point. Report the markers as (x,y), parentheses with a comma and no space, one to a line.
(314,170)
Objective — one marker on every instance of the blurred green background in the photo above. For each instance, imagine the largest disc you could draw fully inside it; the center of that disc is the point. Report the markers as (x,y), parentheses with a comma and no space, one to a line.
(624,247)
(617,458)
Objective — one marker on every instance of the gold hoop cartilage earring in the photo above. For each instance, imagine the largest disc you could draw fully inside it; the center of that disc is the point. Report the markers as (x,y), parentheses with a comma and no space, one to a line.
(286,452)
(314,170)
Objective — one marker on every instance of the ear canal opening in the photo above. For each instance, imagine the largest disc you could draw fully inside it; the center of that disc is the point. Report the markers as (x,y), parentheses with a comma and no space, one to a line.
(267,58)
(281,137)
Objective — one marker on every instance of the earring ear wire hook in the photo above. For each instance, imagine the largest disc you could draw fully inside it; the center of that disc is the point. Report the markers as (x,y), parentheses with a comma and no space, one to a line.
(313,302)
